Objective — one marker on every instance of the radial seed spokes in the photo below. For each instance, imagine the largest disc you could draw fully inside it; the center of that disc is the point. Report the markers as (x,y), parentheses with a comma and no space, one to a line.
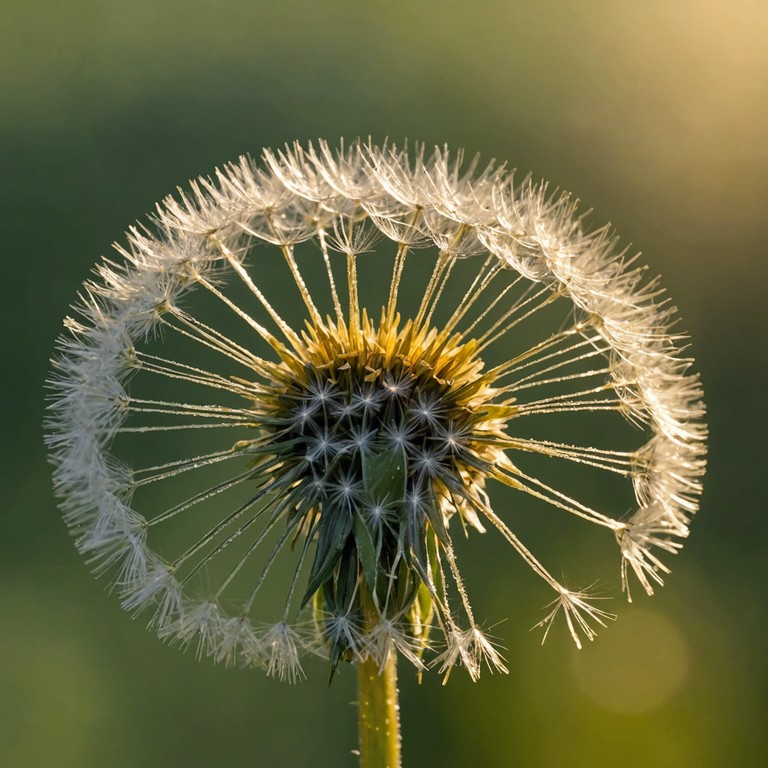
(147,475)
(533,303)
(209,337)
(516,478)
(241,272)
(620,462)
(323,242)
(173,369)
(243,315)
(204,495)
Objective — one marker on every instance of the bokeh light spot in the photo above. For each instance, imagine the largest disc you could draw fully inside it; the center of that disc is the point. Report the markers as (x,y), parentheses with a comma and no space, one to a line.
(637,666)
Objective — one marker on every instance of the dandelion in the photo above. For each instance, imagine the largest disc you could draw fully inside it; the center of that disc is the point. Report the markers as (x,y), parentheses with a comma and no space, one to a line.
(236,405)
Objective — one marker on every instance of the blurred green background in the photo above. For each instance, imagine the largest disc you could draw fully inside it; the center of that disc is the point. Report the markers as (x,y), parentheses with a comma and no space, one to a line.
(654,113)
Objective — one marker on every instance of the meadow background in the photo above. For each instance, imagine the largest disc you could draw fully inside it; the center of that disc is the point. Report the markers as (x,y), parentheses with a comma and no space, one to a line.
(654,113)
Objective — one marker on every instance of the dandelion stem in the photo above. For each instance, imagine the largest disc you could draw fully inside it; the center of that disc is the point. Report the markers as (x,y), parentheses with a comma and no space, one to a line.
(378,708)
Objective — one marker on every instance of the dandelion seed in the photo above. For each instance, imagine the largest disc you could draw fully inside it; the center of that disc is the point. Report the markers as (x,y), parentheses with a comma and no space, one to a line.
(469,648)
(207,437)
(391,635)
(578,611)
(281,644)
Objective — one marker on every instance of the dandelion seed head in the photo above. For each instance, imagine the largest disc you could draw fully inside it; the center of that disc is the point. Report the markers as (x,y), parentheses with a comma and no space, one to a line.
(342,442)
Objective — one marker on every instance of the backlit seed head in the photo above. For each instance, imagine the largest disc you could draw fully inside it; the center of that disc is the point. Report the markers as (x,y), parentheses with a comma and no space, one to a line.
(210,437)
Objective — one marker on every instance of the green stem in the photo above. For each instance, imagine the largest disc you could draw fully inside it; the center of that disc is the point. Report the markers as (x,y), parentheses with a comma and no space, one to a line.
(378,714)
